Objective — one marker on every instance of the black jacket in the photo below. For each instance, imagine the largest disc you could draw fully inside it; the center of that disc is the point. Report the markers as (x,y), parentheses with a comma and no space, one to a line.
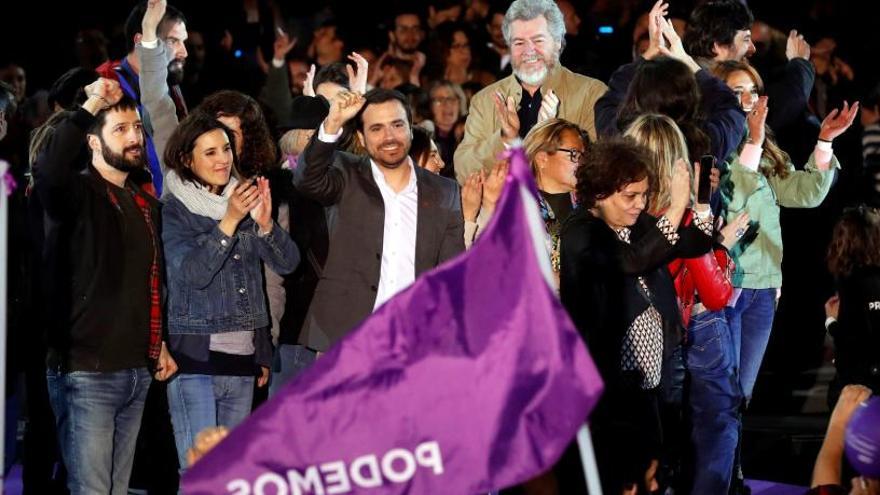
(348,283)
(82,252)
(857,330)
(599,287)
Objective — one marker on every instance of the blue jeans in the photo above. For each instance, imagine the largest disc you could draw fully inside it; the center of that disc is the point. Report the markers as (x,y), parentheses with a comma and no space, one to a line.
(202,401)
(289,362)
(750,323)
(98,415)
(713,401)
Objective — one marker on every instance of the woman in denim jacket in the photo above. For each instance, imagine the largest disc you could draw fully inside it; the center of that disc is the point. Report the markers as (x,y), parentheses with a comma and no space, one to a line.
(217,233)
(759,178)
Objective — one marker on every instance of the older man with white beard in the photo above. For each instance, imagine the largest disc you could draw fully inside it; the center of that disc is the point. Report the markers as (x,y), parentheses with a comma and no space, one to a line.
(539,89)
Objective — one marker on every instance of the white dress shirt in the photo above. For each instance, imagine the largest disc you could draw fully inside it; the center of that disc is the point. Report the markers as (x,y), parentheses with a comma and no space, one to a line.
(398,269)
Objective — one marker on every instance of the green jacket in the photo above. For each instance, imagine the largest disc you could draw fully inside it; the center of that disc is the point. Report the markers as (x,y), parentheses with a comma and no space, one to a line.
(758,255)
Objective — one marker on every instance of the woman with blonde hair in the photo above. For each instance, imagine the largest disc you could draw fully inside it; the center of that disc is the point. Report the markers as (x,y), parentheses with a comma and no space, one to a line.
(555,148)
(703,287)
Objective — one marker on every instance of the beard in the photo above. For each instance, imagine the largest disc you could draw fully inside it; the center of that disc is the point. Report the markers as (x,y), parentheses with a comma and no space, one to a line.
(123,164)
(388,162)
(537,77)
(175,72)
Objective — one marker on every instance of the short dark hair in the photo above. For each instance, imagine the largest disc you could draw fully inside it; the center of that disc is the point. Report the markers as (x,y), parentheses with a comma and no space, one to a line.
(178,152)
(258,149)
(421,143)
(610,165)
(713,22)
(334,73)
(124,103)
(379,95)
(136,17)
(406,10)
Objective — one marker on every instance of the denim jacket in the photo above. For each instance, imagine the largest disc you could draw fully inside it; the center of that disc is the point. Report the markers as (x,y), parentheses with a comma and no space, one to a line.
(215,282)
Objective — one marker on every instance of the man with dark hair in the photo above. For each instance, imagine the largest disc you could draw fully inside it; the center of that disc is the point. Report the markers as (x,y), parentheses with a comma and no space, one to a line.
(390,221)
(171,31)
(102,282)
(720,30)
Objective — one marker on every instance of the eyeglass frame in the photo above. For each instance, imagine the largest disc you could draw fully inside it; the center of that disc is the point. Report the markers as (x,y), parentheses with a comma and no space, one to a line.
(571,154)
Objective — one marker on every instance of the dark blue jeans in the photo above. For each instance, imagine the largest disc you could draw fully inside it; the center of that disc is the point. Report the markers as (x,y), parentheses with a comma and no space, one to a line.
(712,402)
(750,323)
(289,361)
(98,416)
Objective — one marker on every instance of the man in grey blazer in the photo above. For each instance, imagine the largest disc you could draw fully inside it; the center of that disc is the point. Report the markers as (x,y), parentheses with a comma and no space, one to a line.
(390,220)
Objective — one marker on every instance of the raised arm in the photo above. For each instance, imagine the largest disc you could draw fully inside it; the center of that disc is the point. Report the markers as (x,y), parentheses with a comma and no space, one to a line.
(55,167)
(153,79)
(315,176)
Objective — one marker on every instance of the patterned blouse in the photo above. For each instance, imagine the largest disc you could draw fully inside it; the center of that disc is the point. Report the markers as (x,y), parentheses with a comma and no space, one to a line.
(642,348)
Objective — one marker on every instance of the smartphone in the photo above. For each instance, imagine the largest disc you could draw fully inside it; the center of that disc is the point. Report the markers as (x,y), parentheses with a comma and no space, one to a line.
(707,163)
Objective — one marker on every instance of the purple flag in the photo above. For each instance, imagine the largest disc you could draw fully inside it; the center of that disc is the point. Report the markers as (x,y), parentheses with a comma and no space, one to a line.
(470,380)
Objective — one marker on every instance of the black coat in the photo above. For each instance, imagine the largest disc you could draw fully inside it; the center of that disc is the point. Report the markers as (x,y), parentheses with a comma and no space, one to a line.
(83,252)
(857,331)
(347,286)
(599,287)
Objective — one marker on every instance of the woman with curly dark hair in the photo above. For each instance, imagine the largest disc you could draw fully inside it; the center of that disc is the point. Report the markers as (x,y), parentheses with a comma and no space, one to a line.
(619,294)
(853,314)
(242,114)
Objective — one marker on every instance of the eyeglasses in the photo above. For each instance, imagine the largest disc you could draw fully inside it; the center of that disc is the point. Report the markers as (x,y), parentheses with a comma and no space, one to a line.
(461,46)
(444,100)
(573,155)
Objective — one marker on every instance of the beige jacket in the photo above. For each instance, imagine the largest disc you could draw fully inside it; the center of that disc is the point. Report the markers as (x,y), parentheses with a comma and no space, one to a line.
(482,131)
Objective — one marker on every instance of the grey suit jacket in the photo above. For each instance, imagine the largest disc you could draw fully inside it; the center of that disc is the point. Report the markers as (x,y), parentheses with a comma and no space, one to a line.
(348,283)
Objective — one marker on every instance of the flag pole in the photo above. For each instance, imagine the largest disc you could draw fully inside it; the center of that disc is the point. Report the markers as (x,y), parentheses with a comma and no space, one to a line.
(5,192)
(538,230)
(588,460)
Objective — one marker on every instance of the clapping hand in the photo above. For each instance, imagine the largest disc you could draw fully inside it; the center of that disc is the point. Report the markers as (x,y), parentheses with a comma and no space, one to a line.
(506,109)
(838,121)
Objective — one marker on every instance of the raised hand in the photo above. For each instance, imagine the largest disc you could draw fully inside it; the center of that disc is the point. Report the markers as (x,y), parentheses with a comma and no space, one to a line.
(471,196)
(680,185)
(549,106)
(676,47)
(102,93)
(152,17)
(832,306)
(282,45)
(262,210)
(357,80)
(493,184)
(756,120)
(509,119)
(838,121)
(343,107)
(418,63)
(796,47)
(309,85)
(656,43)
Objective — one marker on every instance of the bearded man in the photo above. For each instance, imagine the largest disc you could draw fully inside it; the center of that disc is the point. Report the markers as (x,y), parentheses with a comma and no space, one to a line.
(102,264)
(539,89)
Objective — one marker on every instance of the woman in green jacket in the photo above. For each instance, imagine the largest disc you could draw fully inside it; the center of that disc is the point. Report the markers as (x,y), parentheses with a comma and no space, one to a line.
(758,180)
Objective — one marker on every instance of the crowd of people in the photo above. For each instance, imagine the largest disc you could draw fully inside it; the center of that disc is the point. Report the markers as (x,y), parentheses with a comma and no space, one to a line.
(185,244)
